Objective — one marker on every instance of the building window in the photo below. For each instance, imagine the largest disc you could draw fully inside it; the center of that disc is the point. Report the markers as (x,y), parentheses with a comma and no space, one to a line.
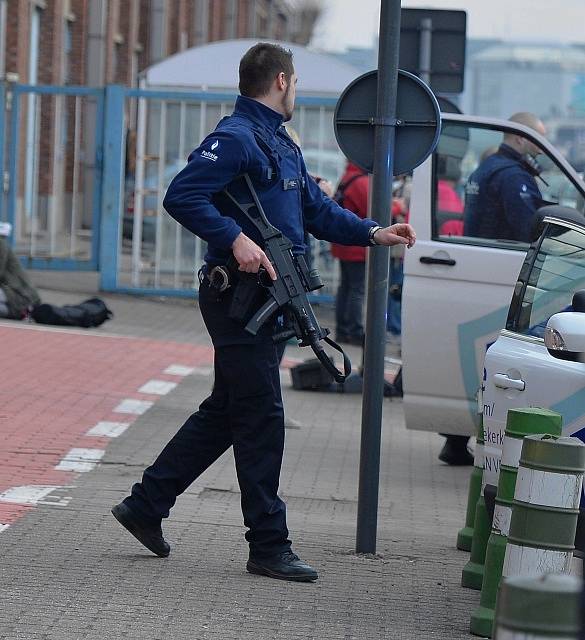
(33,54)
(67,48)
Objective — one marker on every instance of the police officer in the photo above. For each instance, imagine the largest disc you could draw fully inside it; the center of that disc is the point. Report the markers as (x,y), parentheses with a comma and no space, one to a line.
(245,408)
(501,199)
(501,195)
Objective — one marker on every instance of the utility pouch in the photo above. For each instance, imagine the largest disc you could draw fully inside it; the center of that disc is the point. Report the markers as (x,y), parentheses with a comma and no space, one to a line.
(247,298)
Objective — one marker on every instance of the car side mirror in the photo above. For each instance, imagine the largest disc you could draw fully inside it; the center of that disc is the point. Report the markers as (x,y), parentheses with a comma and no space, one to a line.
(566,332)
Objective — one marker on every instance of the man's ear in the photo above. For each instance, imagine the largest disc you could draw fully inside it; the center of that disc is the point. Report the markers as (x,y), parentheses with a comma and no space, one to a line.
(281,81)
(521,141)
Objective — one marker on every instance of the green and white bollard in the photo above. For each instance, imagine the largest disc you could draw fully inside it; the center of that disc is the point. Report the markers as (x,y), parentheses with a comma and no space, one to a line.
(546,506)
(472,574)
(544,607)
(520,422)
(465,535)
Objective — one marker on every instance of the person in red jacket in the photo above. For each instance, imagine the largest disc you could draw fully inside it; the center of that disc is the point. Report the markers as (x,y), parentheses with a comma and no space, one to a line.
(352,193)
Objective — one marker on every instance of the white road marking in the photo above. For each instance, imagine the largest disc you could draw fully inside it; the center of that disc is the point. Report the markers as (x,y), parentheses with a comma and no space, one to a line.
(80,460)
(3,527)
(179,370)
(157,387)
(137,407)
(27,494)
(108,429)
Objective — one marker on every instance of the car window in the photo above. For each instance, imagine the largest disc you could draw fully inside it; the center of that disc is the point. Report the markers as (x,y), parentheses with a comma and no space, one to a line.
(558,270)
(557,188)
(487,194)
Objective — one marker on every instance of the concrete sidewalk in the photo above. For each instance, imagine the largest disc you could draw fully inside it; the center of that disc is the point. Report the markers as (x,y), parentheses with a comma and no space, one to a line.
(69,571)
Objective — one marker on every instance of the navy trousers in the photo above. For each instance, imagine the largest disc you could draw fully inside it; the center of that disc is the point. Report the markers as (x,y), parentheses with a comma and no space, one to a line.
(245,411)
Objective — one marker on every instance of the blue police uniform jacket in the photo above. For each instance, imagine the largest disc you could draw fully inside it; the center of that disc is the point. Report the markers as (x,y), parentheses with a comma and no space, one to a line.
(501,198)
(252,140)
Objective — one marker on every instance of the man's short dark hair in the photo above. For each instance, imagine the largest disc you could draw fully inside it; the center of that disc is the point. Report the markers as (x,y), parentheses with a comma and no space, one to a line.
(260,65)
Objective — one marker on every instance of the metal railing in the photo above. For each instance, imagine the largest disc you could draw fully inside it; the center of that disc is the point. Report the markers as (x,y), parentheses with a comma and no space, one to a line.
(88,168)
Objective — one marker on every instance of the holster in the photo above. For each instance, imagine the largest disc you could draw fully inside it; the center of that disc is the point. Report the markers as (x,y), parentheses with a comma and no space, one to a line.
(247,298)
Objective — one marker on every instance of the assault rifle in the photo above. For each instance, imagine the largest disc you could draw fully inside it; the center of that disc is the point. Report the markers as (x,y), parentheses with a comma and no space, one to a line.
(289,291)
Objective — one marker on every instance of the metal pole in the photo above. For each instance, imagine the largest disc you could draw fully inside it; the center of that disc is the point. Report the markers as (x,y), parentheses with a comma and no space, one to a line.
(424,54)
(378,264)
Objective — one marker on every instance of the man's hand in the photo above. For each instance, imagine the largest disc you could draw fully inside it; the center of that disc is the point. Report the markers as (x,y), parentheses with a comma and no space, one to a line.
(396,234)
(250,256)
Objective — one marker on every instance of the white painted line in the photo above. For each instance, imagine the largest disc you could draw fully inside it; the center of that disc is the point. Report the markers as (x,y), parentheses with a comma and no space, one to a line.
(108,429)
(80,460)
(179,370)
(157,387)
(27,494)
(12,324)
(3,527)
(137,407)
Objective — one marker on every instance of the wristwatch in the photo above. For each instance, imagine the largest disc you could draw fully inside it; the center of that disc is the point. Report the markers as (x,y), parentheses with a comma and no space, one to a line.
(371,235)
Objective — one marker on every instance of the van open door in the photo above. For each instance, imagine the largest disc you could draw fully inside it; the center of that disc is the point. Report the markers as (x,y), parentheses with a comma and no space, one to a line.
(457,288)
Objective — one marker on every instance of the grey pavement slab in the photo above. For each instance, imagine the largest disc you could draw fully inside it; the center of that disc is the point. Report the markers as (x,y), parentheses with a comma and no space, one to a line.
(71,572)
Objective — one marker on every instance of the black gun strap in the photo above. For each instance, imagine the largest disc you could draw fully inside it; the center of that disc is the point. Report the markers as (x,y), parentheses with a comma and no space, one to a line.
(328,363)
(260,221)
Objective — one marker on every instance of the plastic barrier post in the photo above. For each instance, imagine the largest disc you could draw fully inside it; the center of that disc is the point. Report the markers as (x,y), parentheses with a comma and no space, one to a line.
(465,535)
(538,608)
(546,506)
(519,424)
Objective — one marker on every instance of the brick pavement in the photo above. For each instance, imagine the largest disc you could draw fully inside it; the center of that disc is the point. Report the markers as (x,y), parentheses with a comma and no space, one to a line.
(69,571)
(60,385)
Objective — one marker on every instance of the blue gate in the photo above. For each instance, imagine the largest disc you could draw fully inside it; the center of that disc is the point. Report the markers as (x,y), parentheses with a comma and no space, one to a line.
(88,169)
(155,254)
(54,171)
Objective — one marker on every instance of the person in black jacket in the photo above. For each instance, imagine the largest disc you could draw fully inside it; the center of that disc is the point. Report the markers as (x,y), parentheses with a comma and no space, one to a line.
(501,195)
(501,200)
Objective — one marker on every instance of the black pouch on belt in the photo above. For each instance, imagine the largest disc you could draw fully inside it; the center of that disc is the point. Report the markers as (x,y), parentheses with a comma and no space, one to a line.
(247,298)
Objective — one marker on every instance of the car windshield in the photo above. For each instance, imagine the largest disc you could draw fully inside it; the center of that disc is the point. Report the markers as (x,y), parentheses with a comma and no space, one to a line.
(557,273)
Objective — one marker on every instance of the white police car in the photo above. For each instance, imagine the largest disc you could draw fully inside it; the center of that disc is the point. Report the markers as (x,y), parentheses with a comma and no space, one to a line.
(538,359)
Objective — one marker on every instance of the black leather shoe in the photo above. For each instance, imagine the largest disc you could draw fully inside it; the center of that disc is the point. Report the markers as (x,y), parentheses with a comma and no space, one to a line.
(455,451)
(284,566)
(150,536)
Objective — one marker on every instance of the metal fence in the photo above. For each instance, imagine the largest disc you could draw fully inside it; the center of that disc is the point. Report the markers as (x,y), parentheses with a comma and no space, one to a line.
(54,162)
(88,169)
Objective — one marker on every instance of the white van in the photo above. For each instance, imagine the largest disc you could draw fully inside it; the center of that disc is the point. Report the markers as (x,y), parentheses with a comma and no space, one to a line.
(457,289)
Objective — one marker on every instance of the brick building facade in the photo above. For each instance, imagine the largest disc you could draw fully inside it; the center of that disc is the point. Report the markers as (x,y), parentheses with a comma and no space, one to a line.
(98,42)
(95,43)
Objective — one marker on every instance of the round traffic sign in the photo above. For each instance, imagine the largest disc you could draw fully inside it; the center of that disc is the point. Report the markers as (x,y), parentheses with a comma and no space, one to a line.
(418,121)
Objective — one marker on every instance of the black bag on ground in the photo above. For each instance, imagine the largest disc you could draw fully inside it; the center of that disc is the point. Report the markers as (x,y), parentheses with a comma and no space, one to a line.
(311,375)
(89,313)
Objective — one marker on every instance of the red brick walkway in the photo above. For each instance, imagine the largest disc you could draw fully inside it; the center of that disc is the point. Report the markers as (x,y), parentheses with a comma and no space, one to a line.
(56,385)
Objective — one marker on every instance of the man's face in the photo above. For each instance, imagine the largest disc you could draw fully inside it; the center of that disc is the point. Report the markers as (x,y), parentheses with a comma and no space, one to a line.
(531,148)
(288,99)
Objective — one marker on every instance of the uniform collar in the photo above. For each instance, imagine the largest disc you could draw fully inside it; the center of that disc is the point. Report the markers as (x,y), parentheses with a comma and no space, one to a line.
(508,151)
(259,113)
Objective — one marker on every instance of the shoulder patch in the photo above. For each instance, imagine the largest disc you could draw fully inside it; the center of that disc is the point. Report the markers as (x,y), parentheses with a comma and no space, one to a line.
(210,155)
(472,188)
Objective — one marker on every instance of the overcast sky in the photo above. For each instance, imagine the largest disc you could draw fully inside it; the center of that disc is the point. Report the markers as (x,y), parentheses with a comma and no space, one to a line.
(559,21)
